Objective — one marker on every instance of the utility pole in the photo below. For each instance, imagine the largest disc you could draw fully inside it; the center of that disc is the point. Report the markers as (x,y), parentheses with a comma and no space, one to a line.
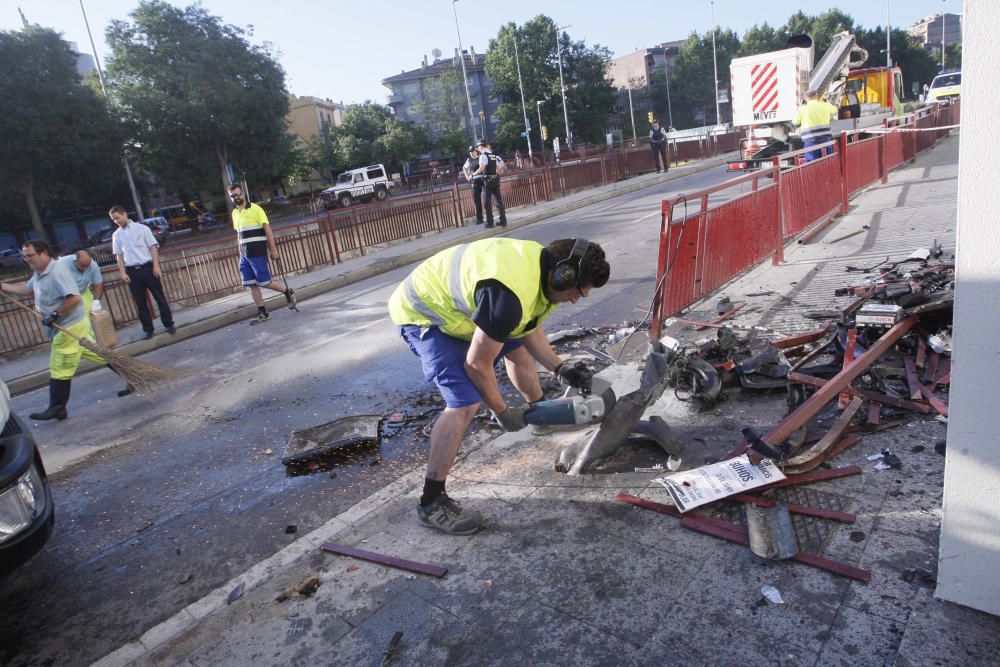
(888,37)
(666,72)
(538,108)
(631,111)
(465,77)
(715,66)
(107,100)
(562,88)
(520,84)
(944,39)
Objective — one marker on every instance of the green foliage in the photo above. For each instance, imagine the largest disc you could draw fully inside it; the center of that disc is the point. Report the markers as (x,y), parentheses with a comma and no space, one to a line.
(369,133)
(691,77)
(198,95)
(58,139)
(443,105)
(761,39)
(589,94)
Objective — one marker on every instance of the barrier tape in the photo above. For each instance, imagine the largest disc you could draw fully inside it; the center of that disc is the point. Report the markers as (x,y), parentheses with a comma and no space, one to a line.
(890,130)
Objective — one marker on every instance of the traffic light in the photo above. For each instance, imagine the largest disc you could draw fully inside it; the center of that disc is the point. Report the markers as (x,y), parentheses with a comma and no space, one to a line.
(545,133)
(649,114)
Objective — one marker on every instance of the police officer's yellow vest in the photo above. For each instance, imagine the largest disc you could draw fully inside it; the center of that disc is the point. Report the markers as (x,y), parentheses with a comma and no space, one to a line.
(441,291)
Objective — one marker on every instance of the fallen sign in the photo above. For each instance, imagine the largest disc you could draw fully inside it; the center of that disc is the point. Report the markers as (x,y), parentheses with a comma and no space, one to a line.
(382,559)
(700,486)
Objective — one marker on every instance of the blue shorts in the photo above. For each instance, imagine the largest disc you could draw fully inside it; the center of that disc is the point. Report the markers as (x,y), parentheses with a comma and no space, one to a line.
(254,271)
(443,359)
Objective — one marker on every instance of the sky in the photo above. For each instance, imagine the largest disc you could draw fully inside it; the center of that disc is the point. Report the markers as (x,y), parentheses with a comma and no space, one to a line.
(342,50)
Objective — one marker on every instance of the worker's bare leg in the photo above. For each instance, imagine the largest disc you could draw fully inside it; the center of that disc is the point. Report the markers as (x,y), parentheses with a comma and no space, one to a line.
(257,298)
(446,438)
(277,285)
(521,371)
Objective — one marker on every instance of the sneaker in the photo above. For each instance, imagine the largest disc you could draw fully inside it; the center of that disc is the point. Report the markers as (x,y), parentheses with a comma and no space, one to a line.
(290,298)
(448,516)
(261,317)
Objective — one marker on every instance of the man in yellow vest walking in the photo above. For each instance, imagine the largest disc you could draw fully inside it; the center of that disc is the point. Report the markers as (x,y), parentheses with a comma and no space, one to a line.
(813,119)
(467,307)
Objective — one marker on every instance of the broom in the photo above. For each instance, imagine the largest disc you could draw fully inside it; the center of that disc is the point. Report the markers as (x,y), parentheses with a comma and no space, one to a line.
(141,375)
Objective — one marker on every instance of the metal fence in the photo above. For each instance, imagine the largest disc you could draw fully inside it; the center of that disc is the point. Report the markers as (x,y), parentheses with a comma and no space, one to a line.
(701,252)
(309,236)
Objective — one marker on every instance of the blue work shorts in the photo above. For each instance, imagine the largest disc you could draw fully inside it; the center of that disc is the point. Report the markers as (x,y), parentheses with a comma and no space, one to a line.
(443,360)
(254,271)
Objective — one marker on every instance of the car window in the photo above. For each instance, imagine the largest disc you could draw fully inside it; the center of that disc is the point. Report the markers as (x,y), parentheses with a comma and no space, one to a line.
(358,178)
(375,173)
(947,80)
(344,178)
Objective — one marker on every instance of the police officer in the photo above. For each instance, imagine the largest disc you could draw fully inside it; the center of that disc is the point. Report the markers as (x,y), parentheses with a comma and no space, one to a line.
(658,142)
(468,169)
(813,119)
(490,167)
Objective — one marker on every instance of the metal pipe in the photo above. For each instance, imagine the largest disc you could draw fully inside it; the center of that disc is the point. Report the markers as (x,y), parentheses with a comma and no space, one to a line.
(715,67)
(520,84)
(666,72)
(631,111)
(107,100)
(465,77)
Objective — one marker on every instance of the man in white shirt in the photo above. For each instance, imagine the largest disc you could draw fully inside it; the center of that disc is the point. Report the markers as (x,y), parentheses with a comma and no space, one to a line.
(138,257)
(470,166)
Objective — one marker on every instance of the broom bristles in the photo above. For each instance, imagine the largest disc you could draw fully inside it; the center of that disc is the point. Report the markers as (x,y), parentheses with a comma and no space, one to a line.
(142,375)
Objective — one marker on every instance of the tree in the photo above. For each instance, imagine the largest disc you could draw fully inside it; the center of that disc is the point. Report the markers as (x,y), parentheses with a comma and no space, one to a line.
(58,138)
(761,39)
(691,88)
(443,106)
(589,94)
(198,95)
(370,133)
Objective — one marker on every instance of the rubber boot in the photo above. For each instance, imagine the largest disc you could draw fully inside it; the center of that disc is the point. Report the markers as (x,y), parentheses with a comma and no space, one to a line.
(58,398)
(128,387)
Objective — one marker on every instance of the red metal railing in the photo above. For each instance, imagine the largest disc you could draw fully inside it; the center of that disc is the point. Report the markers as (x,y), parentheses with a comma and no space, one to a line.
(703,251)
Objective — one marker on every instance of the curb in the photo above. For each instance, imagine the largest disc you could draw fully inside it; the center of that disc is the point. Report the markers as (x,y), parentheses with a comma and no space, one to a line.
(38,379)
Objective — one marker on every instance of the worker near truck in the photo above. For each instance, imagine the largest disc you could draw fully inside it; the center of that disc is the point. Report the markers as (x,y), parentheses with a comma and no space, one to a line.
(467,307)
(813,120)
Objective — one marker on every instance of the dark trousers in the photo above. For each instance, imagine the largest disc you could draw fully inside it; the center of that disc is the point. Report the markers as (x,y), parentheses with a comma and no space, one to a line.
(142,279)
(477,198)
(660,150)
(491,191)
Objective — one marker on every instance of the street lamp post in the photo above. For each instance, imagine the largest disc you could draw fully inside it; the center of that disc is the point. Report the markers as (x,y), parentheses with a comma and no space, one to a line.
(631,111)
(888,37)
(107,100)
(465,77)
(562,88)
(520,84)
(715,67)
(538,108)
(944,39)
(666,71)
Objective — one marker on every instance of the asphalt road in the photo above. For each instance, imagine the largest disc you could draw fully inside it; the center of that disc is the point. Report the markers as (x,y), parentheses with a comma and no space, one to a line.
(188,497)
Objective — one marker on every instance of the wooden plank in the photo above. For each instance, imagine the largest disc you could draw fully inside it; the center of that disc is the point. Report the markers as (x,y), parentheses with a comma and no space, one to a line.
(884,399)
(740,537)
(649,504)
(921,352)
(843,517)
(830,437)
(810,477)
(930,370)
(808,409)
(382,559)
(852,339)
(874,413)
(935,402)
(838,447)
(943,375)
(801,339)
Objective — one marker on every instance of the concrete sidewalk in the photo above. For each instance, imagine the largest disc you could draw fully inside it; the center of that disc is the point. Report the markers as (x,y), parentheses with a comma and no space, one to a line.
(563,574)
(28,371)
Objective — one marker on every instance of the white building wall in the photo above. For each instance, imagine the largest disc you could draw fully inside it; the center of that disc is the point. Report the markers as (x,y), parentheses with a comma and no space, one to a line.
(969,559)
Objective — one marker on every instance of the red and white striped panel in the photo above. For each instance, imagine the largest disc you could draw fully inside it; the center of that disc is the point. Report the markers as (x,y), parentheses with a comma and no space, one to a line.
(764,84)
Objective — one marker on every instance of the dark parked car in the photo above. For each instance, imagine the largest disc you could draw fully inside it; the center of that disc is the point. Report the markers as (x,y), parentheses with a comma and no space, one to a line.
(11,259)
(26,511)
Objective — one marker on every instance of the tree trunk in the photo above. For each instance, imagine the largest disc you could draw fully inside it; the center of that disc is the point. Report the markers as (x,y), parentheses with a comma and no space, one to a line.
(222,153)
(36,218)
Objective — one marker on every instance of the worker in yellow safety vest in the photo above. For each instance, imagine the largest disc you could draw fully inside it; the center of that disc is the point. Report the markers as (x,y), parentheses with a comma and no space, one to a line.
(469,306)
(813,119)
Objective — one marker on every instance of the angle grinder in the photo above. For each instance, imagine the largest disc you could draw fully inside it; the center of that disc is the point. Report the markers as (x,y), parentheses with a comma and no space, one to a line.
(576,410)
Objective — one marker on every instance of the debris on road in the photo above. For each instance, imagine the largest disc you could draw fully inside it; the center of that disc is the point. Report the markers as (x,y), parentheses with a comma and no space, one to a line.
(313,443)
(382,559)
(771,594)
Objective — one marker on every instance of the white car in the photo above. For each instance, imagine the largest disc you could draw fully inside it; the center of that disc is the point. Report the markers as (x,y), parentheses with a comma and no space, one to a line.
(362,184)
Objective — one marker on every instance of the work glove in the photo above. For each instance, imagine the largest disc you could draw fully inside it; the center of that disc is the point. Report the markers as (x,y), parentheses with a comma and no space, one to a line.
(96,307)
(575,374)
(50,319)
(511,419)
